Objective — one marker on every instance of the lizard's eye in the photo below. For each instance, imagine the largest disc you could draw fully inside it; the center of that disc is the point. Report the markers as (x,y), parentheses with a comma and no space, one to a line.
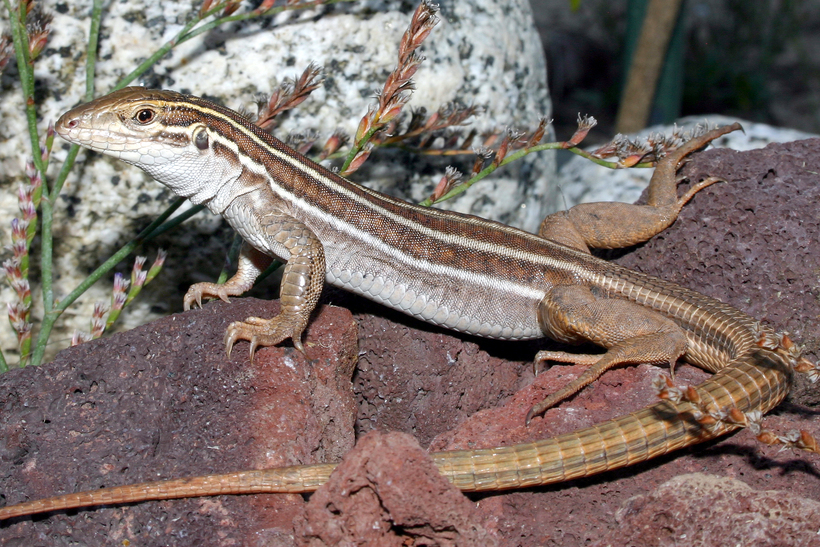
(144,116)
(201,139)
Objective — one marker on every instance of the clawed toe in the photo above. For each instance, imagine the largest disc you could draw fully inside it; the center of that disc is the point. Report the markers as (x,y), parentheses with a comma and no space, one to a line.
(196,293)
(265,332)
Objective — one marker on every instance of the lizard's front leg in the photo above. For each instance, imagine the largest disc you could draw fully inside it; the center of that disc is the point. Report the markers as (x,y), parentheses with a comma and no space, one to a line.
(302,281)
(251,263)
(270,233)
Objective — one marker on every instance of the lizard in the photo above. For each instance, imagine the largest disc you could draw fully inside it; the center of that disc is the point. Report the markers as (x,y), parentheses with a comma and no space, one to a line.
(457,271)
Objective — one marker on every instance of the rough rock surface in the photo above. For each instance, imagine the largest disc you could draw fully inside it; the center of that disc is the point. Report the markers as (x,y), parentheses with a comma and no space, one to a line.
(746,242)
(751,242)
(700,509)
(161,401)
(388,492)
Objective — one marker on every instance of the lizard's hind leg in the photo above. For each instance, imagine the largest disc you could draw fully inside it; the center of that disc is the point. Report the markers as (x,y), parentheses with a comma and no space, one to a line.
(612,225)
(631,334)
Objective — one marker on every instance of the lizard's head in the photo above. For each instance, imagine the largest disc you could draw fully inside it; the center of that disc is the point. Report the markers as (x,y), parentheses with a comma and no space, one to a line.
(178,139)
(134,124)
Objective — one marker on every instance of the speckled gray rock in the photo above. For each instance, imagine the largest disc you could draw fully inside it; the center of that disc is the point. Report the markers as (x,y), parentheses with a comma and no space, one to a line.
(581,181)
(484,52)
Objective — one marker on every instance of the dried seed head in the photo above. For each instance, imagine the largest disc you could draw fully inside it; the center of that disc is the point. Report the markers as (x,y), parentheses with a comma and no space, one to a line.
(585,123)
(447,182)
(539,132)
(336,141)
(358,160)
(482,156)
(38,23)
(6,50)
(230,7)
(206,5)
(79,337)
(501,153)
(396,91)
(289,94)
(156,266)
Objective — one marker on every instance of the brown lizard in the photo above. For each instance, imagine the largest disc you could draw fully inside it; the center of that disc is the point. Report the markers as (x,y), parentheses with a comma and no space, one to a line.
(457,271)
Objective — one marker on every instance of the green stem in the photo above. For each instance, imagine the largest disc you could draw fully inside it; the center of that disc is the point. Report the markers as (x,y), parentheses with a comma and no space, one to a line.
(275,265)
(17,20)
(176,221)
(233,256)
(25,65)
(93,41)
(47,202)
(156,56)
(357,147)
(152,230)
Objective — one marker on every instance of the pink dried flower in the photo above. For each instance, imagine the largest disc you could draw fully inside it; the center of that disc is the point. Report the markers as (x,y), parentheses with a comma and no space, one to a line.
(38,22)
(6,50)
(120,291)
(538,134)
(585,123)
(156,266)
(79,337)
(288,95)
(397,87)
(13,271)
(139,262)
(510,137)
(482,155)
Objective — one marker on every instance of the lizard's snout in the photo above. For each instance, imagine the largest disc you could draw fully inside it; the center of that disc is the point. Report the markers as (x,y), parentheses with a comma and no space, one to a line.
(67,122)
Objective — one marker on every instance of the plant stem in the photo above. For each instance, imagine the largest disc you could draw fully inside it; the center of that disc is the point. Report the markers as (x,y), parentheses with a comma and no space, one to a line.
(93,41)
(47,202)
(233,255)
(357,147)
(20,39)
(461,188)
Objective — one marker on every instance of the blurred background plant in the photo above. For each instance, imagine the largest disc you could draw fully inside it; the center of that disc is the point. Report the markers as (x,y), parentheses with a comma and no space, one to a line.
(754,60)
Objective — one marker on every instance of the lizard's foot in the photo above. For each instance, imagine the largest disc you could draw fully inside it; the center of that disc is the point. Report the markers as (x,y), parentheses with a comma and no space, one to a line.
(569,389)
(651,348)
(266,332)
(198,291)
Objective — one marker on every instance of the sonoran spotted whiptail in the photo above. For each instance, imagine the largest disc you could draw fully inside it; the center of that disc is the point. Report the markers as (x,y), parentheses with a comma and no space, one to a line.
(453,270)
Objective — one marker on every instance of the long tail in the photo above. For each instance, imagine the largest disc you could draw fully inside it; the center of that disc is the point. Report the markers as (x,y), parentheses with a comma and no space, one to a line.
(757,380)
